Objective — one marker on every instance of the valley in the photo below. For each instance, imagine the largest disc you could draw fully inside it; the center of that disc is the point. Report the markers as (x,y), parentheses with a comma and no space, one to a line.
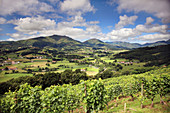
(84,56)
(60,64)
(58,53)
(31,61)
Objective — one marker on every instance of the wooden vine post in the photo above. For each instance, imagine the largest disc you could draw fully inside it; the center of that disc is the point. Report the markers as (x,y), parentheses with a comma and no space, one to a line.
(142,95)
(125,107)
(85,91)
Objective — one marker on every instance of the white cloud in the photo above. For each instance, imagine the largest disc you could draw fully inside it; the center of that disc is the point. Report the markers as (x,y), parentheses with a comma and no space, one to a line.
(123,34)
(151,28)
(15,36)
(53,15)
(149,20)
(75,33)
(74,7)
(129,34)
(94,22)
(21,36)
(24,7)
(159,8)
(10,39)
(33,25)
(2,20)
(76,27)
(93,29)
(74,21)
(154,37)
(125,20)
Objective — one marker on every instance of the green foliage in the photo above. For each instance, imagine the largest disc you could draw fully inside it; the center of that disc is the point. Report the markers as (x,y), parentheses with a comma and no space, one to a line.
(114,91)
(105,74)
(33,99)
(163,85)
(155,85)
(45,80)
(25,100)
(94,95)
(53,99)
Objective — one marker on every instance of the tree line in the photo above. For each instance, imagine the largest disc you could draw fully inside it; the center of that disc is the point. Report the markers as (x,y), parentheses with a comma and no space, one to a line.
(45,80)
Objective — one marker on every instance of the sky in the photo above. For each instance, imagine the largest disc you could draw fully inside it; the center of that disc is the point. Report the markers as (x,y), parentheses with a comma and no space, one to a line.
(135,21)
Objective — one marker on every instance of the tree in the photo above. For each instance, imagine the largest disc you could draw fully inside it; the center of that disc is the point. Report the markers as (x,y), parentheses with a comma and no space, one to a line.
(47,64)
(13,71)
(6,68)
(29,71)
(105,74)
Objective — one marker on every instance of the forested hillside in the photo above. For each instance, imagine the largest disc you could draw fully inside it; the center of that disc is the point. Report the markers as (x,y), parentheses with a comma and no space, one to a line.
(157,56)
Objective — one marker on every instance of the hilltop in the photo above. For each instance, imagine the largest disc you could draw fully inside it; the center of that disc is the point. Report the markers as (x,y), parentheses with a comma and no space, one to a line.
(67,43)
(58,42)
(55,41)
(125,44)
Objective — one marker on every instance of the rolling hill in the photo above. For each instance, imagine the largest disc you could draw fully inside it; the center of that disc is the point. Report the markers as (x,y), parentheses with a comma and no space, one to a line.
(152,56)
(55,41)
(96,43)
(137,45)
(157,43)
(64,42)
(125,44)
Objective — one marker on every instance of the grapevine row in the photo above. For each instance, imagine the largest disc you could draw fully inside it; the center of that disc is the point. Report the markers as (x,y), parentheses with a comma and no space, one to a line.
(94,94)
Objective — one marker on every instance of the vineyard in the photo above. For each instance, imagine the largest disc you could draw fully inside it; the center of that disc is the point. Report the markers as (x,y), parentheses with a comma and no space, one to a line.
(90,95)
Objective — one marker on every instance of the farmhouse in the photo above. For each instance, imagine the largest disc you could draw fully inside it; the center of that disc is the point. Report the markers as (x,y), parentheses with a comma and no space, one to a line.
(14,68)
(123,62)
(7,63)
(83,70)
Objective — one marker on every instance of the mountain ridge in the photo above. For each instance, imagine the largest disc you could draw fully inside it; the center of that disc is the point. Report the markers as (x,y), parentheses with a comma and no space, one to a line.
(55,41)
(58,41)
(137,45)
(125,44)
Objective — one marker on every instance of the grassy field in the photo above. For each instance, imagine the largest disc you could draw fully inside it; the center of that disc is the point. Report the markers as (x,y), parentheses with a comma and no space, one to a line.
(36,64)
(119,51)
(107,59)
(92,70)
(42,64)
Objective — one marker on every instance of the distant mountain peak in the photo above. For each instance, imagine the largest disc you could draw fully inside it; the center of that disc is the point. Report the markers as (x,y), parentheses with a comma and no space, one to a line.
(55,41)
(93,41)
